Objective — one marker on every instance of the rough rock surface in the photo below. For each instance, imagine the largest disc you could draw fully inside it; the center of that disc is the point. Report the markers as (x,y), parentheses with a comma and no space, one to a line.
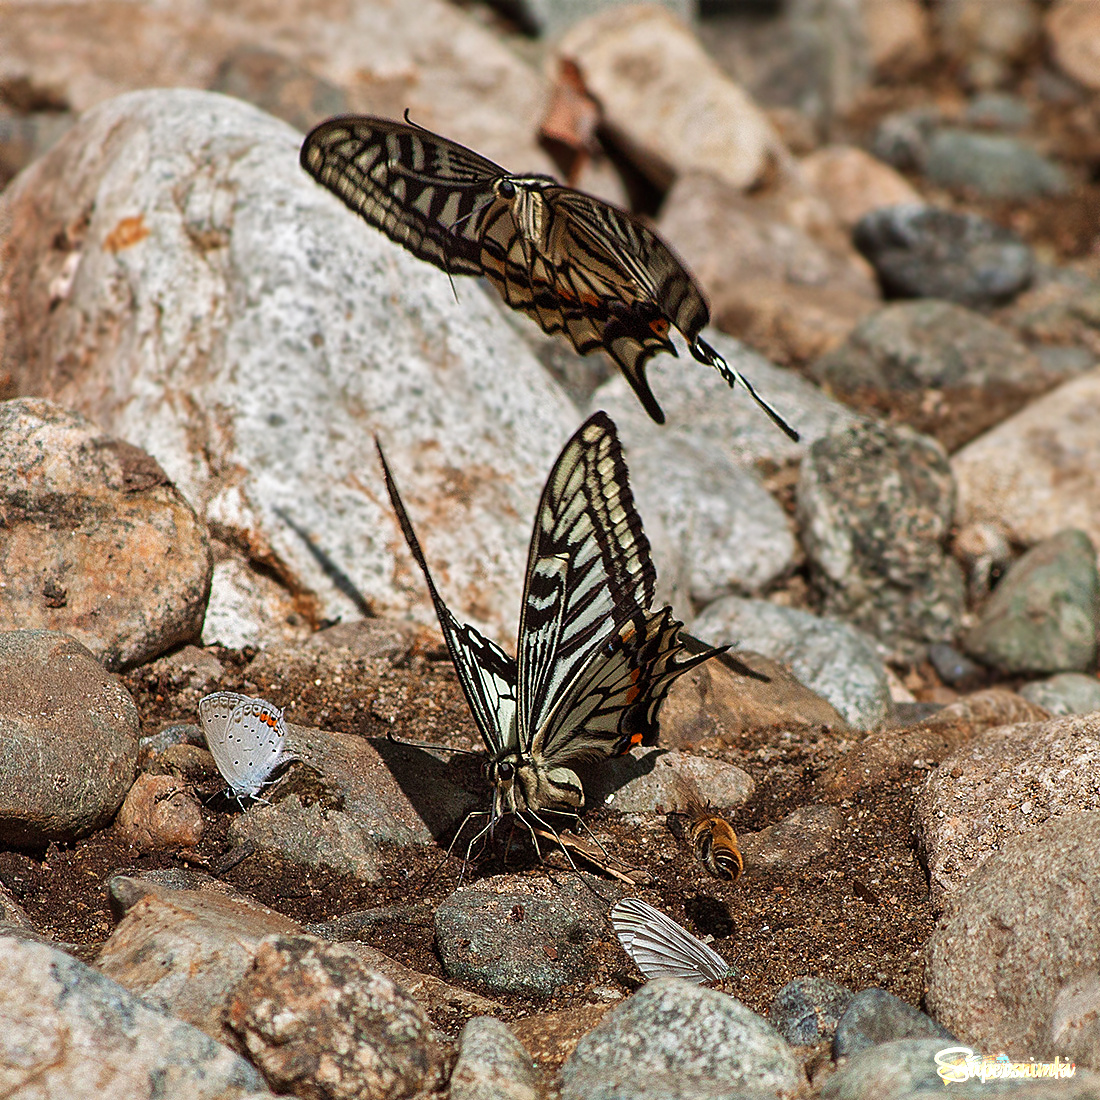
(95,542)
(1006,781)
(68,739)
(69,1031)
(234,318)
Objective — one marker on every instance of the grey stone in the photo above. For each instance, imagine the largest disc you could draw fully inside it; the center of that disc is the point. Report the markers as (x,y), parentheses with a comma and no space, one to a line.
(520,936)
(926,252)
(68,738)
(492,1064)
(701,408)
(806,1011)
(1038,473)
(875,506)
(1026,924)
(726,532)
(906,1069)
(676,1040)
(832,658)
(1044,616)
(805,836)
(1074,1026)
(998,111)
(71,1032)
(645,780)
(1065,693)
(312,332)
(1006,781)
(393,793)
(319,1022)
(954,668)
(311,835)
(901,138)
(996,166)
(876,1016)
(96,542)
(979,372)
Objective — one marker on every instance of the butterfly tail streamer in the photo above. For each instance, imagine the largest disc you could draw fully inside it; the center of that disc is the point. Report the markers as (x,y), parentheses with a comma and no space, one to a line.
(704,353)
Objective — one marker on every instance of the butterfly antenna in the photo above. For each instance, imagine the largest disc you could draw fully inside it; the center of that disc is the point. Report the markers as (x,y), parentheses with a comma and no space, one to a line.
(706,354)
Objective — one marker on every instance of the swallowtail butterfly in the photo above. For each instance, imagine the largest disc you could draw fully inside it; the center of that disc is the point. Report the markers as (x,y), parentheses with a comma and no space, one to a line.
(571,262)
(593,661)
(661,948)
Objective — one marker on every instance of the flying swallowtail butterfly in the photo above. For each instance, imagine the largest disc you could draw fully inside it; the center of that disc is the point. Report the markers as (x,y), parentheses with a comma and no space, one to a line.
(661,948)
(571,262)
(594,662)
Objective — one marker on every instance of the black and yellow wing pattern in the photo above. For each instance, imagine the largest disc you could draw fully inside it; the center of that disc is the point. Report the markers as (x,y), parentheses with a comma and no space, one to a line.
(573,263)
(594,660)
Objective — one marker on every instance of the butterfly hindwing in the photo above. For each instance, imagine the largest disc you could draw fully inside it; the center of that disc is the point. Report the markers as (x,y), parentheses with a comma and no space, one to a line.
(661,948)
(487,674)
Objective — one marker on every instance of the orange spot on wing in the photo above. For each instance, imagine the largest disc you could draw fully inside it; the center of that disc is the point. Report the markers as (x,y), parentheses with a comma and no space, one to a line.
(590,300)
(126,234)
(636,739)
(660,326)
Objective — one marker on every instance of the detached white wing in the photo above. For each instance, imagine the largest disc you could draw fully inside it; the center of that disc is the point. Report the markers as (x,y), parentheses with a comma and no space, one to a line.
(661,948)
(245,736)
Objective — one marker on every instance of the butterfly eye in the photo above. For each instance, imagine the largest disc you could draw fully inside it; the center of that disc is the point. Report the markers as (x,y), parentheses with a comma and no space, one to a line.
(506,771)
(506,189)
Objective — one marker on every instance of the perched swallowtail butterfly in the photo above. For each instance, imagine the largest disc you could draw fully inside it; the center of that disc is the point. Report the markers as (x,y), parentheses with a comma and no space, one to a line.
(571,262)
(594,662)
(661,948)
(246,737)
(712,837)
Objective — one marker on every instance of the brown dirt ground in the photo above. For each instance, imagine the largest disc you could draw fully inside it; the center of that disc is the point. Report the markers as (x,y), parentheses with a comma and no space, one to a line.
(858,917)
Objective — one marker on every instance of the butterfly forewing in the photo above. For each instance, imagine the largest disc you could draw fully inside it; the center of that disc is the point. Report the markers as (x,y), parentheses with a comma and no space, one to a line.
(661,948)
(427,193)
(588,566)
(487,674)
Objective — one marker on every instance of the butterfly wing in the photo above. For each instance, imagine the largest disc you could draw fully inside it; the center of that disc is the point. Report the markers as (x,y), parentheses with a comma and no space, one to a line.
(487,674)
(613,700)
(594,661)
(423,191)
(246,738)
(661,948)
(588,564)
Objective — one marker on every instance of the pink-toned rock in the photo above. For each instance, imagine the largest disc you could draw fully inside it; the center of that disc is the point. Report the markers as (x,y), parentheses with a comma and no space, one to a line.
(426,55)
(159,812)
(666,101)
(1038,472)
(1073,32)
(96,542)
(854,182)
(184,950)
(1004,782)
(770,282)
(319,1023)
(899,36)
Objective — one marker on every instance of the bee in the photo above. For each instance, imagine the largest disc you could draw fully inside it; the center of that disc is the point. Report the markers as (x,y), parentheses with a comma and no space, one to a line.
(712,837)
